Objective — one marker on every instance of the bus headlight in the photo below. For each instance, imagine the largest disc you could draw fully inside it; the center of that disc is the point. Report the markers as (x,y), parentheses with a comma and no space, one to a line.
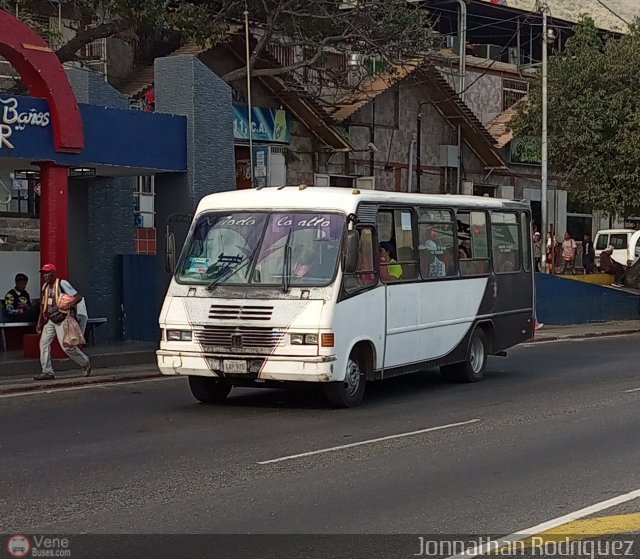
(179,335)
(303,339)
(311,339)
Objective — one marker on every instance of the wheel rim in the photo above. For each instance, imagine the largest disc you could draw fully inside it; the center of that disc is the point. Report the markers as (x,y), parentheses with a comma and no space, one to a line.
(352,378)
(476,355)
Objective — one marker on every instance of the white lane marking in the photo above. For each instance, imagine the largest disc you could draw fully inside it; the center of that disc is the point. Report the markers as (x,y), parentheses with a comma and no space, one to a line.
(548,525)
(633,390)
(369,441)
(53,390)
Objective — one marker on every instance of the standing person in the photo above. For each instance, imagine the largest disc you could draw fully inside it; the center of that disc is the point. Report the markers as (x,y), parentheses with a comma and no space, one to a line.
(537,251)
(50,322)
(588,254)
(569,250)
(551,252)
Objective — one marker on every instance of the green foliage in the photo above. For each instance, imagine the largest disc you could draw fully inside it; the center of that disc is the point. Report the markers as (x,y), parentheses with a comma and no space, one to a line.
(594,119)
(387,31)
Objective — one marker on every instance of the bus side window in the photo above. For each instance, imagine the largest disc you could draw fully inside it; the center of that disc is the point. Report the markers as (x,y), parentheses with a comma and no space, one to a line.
(474,242)
(437,247)
(366,275)
(505,242)
(398,259)
(406,250)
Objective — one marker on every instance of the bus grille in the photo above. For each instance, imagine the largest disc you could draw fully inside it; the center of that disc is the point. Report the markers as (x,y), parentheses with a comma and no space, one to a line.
(238,337)
(237,312)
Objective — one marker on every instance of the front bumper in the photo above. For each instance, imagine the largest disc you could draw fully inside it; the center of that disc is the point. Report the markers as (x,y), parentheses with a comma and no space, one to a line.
(272,367)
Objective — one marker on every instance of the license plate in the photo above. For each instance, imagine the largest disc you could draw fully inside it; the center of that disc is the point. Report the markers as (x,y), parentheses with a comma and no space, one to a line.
(234,367)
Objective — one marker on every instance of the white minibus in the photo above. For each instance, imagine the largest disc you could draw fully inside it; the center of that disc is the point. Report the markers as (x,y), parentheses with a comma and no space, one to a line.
(341,287)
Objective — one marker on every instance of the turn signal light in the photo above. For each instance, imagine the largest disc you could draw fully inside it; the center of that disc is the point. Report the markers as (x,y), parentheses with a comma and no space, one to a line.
(327,340)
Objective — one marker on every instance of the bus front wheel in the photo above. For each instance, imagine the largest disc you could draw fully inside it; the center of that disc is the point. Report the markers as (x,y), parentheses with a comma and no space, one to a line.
(209,390)
(474,366)
(348,392)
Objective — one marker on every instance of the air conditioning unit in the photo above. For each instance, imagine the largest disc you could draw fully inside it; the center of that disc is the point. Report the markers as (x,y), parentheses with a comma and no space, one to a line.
(489,52)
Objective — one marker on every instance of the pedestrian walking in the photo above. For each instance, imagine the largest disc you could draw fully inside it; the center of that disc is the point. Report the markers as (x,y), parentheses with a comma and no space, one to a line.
(537,251)
(569,251)
(588,254)
(50,323)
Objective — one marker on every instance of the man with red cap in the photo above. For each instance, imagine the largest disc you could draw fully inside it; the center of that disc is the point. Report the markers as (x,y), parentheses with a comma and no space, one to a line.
(53,312)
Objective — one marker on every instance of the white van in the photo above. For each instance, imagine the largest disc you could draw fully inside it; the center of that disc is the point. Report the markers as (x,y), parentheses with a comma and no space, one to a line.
(625,245)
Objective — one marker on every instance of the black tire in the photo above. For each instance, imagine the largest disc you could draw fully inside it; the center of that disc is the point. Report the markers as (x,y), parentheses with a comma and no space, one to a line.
(472,369)
(209,390)
(348,393)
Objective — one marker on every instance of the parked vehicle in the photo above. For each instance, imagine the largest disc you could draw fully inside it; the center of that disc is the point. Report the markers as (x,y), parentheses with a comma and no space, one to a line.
(626,248)
(289,285)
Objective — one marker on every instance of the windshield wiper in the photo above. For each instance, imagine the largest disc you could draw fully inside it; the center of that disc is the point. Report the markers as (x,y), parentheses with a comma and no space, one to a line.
(230,270)
(286,264)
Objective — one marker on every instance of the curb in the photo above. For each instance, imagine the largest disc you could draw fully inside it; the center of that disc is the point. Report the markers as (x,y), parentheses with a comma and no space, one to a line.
(82,381)
(558,337)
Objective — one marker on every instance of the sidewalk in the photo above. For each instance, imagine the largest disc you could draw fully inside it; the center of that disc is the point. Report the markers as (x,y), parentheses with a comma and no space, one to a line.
(25,383)
(126,362)
(115,362)
(594,330)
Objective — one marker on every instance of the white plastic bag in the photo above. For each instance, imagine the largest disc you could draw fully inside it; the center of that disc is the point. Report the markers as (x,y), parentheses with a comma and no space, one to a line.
(72,333)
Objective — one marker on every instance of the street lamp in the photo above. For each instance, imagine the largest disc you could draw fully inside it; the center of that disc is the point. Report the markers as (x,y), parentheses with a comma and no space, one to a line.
(548,37)
(249,105)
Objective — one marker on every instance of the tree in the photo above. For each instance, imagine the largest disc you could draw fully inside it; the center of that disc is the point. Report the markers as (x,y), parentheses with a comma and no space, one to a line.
(319,34)
(594,119)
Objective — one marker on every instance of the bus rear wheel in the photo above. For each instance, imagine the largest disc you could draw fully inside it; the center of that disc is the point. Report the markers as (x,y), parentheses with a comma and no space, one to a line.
(209,390)
(348,392)
(474,366)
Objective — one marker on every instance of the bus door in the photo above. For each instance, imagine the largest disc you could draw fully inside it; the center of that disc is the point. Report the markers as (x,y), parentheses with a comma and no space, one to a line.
(398,267)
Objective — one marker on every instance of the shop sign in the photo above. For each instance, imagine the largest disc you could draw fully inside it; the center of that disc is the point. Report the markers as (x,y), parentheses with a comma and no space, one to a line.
(267,125)
(14,119)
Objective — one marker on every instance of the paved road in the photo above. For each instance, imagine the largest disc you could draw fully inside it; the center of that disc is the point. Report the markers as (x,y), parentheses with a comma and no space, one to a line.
(556,429)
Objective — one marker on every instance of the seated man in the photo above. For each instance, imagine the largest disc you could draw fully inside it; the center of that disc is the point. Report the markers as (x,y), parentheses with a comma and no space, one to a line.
(609,266)
(17,303)
(390,270)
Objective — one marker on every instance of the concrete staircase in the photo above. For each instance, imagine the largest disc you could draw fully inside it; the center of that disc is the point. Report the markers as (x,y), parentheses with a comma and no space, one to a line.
(142,78)
(19,234)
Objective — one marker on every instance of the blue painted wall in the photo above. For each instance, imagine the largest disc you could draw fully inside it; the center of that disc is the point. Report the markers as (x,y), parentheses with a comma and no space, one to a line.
(562,301)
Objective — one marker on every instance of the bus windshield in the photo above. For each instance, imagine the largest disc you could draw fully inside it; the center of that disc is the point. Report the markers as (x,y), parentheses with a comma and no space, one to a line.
(252,247)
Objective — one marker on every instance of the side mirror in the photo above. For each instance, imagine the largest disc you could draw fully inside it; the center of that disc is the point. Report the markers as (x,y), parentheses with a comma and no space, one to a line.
(351,251)
(170,252)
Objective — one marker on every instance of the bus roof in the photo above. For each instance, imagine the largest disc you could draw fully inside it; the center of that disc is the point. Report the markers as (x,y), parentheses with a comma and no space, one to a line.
(340,199)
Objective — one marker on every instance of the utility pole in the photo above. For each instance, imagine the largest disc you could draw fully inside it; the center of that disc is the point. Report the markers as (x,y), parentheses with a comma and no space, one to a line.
(249,104)
(462,36)
(544,160)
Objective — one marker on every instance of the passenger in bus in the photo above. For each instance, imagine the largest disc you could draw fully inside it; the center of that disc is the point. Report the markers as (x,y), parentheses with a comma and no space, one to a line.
(306,263)
(506,262)
(464,252)
(430,265)
(390,270)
